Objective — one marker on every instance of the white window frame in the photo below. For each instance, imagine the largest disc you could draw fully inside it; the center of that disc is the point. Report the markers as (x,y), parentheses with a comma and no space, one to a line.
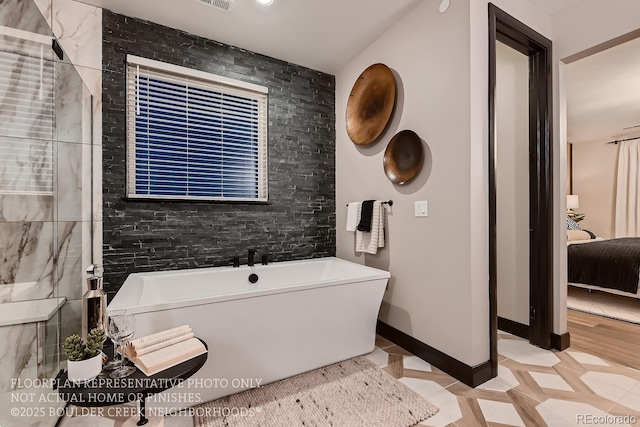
(202,79)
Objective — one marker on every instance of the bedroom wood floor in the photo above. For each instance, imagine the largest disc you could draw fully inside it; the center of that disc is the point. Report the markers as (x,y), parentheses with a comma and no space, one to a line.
(608,338)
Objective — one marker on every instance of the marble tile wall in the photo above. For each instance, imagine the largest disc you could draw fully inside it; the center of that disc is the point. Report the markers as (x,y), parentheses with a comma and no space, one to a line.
(47,240)
(78,28)
(43,179)
(27,184)
(27,161)
(23,15)
(33,355)
(26,271)
(20,359)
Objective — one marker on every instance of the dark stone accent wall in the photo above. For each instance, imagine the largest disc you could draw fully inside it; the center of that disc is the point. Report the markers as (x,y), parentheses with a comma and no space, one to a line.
(299,219)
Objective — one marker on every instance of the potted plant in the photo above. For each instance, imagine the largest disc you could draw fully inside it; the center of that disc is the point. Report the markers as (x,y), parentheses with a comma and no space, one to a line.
(84,360)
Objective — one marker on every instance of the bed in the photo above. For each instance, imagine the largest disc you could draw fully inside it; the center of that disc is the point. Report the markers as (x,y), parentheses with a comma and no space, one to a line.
(610,265)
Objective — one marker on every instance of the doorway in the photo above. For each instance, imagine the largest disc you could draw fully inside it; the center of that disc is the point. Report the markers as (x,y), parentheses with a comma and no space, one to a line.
(509,31)
(598,125)
(512,173)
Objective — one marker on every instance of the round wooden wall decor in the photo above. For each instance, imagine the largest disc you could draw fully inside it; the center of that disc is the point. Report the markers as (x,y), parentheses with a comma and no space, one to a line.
(370,104)
(403,157)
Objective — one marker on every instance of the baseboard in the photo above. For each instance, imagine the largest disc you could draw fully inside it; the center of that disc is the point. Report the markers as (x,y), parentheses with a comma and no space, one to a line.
(560,342)
(472,376)
(514,328)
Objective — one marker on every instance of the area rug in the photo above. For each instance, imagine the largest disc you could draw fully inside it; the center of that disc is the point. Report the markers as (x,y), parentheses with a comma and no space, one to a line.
(350,394)
(603,304)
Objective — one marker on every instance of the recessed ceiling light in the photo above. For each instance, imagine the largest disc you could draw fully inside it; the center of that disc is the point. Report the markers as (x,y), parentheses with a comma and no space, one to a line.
(444,6)
(264,2)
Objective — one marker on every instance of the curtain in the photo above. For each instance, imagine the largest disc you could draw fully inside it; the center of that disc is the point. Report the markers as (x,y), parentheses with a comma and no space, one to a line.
(628,190)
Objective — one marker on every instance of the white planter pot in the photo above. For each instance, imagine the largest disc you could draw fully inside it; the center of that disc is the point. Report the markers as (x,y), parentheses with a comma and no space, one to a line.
(84,370)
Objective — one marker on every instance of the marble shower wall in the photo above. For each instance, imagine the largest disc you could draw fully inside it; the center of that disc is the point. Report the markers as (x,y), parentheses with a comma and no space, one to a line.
(45,185)
(23,15)
(27,164)
(78,29)
(27,185)
(48,238)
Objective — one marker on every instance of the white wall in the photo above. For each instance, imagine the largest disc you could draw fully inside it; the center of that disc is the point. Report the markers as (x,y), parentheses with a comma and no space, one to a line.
(590,23)
(438,292)
(429,295)
(512,183)
(594,181)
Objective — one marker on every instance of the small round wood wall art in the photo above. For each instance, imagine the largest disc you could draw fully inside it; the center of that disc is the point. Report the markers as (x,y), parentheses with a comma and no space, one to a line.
(403,157)
(370,104)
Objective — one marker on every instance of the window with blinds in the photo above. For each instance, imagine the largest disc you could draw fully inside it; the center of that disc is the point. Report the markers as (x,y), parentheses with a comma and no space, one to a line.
(27,117)
(194,135)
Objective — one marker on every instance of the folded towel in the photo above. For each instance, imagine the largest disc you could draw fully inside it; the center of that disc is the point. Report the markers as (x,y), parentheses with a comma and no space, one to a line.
(370,242)
(366,215)
(353,215)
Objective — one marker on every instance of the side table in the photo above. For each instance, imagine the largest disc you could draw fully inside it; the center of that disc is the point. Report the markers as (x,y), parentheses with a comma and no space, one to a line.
(107,391)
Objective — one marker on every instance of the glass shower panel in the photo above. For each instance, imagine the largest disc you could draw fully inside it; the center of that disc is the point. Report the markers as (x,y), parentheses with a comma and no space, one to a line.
(45,211)
(26,167)
(73,203)
(28,283)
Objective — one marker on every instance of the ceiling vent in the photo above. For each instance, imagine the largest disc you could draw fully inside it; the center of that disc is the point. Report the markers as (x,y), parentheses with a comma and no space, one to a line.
(225,5)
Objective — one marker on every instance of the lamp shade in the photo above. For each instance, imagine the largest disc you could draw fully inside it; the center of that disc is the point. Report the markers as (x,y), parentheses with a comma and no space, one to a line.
(572,201)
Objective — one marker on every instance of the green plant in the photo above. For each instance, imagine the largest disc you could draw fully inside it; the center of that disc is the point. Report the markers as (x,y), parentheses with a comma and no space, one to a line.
(76,349)
(94,342)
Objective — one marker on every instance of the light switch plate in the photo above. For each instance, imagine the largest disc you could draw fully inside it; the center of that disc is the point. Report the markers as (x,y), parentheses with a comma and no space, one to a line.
(421,208)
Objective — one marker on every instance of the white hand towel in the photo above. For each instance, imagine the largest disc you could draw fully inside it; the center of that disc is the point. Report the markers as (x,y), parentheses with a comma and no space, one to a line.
(369,242)
(382,218)
(353,215)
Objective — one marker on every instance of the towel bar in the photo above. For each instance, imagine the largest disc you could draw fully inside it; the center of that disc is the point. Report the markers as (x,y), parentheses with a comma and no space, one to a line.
(390,203)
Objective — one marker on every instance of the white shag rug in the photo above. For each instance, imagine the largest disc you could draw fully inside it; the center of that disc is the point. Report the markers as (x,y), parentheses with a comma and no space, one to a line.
(350,394)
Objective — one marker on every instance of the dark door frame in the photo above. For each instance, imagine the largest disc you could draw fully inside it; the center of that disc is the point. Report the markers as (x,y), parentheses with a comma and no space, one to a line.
(515,34)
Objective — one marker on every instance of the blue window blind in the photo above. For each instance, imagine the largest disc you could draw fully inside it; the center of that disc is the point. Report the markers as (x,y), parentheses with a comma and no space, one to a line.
(194,135)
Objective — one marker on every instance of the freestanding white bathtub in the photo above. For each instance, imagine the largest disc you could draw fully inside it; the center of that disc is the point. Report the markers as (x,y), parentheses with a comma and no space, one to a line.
(299,316)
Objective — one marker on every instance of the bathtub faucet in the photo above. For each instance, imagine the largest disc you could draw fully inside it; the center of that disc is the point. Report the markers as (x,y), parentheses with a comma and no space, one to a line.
(251,261)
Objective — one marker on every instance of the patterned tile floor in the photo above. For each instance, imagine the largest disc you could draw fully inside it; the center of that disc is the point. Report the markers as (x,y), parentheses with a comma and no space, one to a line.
(534,387)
